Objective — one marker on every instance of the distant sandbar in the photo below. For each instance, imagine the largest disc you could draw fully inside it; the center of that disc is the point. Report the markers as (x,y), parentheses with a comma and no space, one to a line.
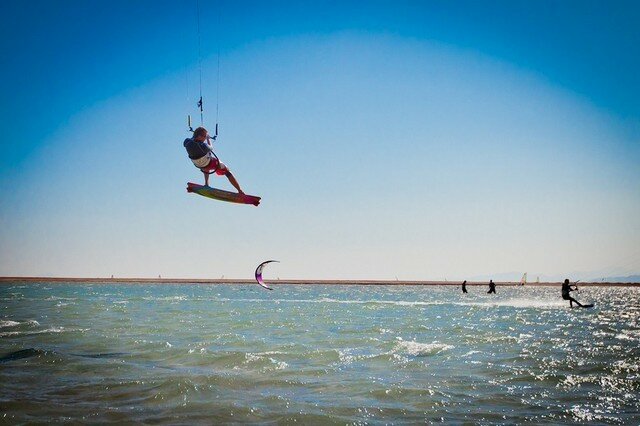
(97,280)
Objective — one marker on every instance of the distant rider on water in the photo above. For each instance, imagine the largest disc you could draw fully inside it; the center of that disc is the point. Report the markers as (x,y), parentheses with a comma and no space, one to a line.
(568,288)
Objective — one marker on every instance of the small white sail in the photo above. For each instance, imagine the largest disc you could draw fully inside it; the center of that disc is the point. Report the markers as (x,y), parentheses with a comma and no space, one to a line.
(523,280)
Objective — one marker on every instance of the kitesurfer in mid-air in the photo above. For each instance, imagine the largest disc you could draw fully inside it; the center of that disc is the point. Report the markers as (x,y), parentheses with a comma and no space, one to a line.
(202,156)
(464,287)
(492,287)
(568,288)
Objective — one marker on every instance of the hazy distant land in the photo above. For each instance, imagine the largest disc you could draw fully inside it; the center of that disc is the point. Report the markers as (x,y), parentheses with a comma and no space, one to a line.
(98,280)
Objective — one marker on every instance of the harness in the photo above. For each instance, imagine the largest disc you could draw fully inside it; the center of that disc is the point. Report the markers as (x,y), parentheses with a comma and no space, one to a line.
(212,155)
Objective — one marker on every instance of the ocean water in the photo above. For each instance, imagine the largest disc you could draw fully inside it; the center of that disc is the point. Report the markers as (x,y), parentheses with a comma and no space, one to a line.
(193,354)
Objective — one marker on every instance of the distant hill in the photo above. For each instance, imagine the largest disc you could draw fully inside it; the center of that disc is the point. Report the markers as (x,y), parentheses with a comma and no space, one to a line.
(587,277)
(627,279)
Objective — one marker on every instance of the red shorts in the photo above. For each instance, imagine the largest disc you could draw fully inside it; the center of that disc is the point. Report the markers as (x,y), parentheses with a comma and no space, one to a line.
(216,165)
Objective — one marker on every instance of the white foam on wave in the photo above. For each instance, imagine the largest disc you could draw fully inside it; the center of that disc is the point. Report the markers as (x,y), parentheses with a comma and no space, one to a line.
(10,323)
(165,299)
(48,330)
(259,356)
(346,356)
(514,303)
(623,336)
(267,353)
(626,365)
(583,414)
(255,356)
(400,352)
(329,300)
(411,347)
(517,303)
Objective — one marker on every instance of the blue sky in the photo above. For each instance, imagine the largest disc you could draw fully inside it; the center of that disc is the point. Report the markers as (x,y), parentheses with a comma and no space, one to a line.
(418,140)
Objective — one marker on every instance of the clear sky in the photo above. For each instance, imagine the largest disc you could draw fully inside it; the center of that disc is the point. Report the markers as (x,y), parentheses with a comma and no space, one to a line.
(408,139)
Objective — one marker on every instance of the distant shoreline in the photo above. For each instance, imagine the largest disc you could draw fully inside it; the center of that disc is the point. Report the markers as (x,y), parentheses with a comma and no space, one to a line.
(94,280)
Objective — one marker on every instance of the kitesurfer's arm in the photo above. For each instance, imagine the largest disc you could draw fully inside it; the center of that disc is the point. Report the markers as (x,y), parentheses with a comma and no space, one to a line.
(210,142)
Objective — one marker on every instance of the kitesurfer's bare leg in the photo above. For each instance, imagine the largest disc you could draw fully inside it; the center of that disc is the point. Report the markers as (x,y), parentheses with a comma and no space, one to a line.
(577,303)
(234,182)
(206,178)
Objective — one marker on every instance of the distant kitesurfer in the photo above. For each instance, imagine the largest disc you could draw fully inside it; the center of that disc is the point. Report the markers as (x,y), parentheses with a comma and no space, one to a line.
(464,287)
(202,156)
(566,289)
(492,287)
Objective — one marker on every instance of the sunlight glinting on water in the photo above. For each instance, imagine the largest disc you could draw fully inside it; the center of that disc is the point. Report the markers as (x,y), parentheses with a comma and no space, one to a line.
(344,354)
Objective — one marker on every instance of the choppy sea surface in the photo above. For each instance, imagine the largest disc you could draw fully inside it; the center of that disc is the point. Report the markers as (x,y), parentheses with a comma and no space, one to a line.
(185,354)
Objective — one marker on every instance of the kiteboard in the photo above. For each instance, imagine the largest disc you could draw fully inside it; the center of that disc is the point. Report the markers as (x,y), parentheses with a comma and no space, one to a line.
(219,194)
(590,305)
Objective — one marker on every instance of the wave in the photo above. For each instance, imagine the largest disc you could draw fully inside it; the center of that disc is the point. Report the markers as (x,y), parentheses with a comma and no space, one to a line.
(45,331)
(514,303)
(628,335)
(34,352)
(420,349)
(401,352)
(261,357)
(22,354)
(524,303)
(10,323)
(103,355)
(168,298)
(519,303)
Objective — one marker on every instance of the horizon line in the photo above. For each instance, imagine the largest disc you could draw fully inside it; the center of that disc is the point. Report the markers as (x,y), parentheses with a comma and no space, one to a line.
(288,281)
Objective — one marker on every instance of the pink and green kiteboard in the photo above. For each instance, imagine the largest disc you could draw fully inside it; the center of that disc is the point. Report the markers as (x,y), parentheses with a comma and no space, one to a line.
(219,194)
